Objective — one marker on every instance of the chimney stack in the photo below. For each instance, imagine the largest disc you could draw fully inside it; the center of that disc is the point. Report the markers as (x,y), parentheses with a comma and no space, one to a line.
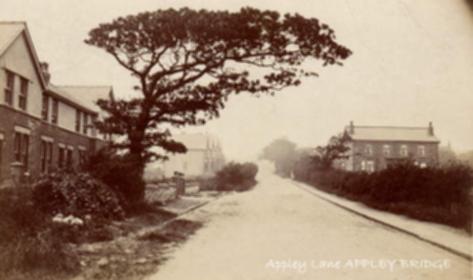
(351,128)
(431,129)
(45,72)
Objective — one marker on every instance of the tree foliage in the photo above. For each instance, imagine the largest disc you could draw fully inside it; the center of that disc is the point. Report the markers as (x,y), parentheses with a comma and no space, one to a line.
(335,149)
(282,152)
(187,62)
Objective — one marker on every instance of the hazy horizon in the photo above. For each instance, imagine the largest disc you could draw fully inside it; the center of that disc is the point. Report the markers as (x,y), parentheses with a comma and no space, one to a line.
(411,64)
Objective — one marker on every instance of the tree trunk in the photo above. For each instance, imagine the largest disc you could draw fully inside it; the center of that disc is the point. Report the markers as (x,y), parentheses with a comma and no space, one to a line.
(137,161)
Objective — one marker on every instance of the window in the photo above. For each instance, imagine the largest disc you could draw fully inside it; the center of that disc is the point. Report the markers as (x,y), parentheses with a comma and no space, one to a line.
(46,155)
(9,88)
(82,156)
(61,157)
(21,148)
(369,149)
(421,150)
(404,152)
(78,120)
(55,116)
(45,110)
(69,160)
(386,150)
(370,166)
(85,125)
(23,97)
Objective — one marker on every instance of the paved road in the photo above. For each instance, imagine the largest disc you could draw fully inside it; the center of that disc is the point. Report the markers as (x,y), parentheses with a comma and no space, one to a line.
(278,231)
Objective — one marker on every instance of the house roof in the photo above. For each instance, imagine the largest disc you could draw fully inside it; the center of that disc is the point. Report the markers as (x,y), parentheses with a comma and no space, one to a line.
(392,133)
(81,96)
(85,96)
(9,31)
(196,141)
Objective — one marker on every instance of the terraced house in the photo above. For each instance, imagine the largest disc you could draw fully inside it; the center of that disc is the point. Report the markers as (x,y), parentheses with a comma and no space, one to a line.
(374,148)
(42,126)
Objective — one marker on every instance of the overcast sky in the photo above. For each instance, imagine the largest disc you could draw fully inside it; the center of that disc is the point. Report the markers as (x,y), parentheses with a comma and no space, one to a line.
(412,63)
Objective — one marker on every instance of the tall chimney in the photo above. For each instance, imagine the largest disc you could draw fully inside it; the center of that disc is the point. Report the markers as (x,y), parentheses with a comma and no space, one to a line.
(431,129)
(351,128)
(45,72)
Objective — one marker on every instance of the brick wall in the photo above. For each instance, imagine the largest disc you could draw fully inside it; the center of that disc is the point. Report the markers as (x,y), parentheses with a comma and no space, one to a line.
(359,153)
(11,118)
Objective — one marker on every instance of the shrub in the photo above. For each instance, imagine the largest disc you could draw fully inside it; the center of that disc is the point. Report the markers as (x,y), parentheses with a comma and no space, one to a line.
(441,195)
(29,240)
(79,195)
(236,176)
(120,172)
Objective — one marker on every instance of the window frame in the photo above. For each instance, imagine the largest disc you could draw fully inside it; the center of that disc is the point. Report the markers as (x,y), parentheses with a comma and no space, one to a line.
(404,151)
(46,155)
(387,151)
(85,125)
(23,94)
(9,90)
(61,156)
(368,149)
(78,120)
(55,111)
(21,146)
(45,107)
(421,150)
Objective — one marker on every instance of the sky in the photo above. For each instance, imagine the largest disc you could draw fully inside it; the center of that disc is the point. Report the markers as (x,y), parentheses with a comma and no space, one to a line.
(412,63)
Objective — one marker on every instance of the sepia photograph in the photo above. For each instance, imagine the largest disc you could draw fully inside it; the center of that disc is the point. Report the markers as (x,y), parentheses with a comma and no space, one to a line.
(236,139)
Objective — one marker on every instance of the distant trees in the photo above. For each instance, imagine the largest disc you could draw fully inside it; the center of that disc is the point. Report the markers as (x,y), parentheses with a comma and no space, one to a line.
(282,153)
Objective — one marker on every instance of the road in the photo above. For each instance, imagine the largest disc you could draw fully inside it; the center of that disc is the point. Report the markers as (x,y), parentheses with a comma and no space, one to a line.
(278,231)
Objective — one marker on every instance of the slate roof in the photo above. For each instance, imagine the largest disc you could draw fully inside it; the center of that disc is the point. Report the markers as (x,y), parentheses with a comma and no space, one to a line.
(86,96)
(393,133)
(81,96)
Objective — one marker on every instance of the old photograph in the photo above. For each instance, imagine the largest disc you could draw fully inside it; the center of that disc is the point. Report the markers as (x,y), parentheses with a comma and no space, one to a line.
(236,139)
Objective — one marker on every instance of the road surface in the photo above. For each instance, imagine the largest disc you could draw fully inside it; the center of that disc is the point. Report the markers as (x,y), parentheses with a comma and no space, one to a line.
(278,231)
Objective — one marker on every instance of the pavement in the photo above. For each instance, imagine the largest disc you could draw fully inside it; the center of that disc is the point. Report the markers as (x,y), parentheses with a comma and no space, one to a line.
(280,231)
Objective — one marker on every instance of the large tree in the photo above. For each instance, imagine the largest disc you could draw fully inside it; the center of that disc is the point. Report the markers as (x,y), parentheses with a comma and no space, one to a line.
(188,62)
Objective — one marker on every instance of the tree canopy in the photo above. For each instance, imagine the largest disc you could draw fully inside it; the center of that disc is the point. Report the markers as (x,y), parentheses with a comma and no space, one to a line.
(188,62)
(282,152)
(335,149)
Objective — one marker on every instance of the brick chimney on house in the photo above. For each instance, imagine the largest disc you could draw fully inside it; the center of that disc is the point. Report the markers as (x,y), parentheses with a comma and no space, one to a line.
(45,72)
(431,129)
(351,128)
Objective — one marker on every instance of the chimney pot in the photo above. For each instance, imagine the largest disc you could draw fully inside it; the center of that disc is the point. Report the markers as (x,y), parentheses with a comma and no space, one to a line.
(45,71)
(351,129)
(431,129)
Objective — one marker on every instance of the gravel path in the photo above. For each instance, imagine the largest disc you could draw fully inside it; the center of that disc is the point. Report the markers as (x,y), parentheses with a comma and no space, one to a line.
(278,231)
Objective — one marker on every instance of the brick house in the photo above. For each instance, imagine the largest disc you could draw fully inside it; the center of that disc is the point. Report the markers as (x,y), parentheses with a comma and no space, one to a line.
(373,148)
(42,126)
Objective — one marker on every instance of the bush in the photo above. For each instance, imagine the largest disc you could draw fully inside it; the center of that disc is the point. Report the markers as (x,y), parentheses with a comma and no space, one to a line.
(30,244)
(79,195)
(442,195)
(236,176)
(120,172)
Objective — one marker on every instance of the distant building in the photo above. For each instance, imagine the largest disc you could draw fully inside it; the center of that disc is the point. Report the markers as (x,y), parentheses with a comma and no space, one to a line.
(373,148)
(42,126)
(204,156)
